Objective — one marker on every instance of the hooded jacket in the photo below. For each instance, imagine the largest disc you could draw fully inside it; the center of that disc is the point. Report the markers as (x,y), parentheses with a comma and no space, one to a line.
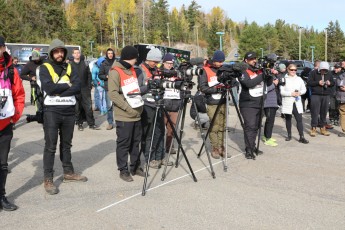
(18,93)
(84,74)
(29,70)
(314,79)
(105,67)
(123,111)
(63,90)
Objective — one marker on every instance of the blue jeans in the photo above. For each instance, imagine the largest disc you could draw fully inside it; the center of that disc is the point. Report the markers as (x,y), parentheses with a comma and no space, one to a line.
(102,100)
(97,98)
(57,125)
(110,116)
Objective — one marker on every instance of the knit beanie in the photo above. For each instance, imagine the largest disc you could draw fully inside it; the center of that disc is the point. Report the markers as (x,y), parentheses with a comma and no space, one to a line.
(168,57)
(154,55)
(218,56)
(129,53)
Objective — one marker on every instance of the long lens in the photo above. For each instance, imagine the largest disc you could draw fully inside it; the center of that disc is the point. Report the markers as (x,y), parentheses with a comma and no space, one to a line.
(168,85)
(194,71)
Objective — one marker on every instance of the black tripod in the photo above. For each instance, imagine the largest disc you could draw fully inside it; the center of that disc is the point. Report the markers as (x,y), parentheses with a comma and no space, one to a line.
(160,106)
(182,114)
(226,93)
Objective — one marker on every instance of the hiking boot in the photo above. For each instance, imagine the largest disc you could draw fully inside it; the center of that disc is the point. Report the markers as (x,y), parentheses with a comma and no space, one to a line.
(288,138)
(80,127)
(303,140)
(329,126)
(6,205)
(74,177)
(138,172)
(110,127)
(155,164)
(313,132)
(221,151)
(94,127)
(124,175)
(49,186)
(271,143)
(324,131)
(248,155)
(166,162)
(258,151)
(215,153)
(341,134)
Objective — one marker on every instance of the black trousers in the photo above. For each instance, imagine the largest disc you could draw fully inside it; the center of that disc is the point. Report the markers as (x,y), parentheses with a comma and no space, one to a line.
(251,118)
(147,123)
(270,114)
(298,117)
(6,136)
(84,104)
(127,142)
(56,125)
(319,107)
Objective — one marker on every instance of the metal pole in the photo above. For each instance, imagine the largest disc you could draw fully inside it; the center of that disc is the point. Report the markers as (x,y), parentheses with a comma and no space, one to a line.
(197,40)
(168,23)
(144,34)
(326,44)
(113,17)
(220,43)
(123,31)
(299,43)
(312,53)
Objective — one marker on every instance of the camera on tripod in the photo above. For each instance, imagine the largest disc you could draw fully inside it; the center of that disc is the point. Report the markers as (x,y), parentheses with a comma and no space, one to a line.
(186,71)
(227,74)
(268,61)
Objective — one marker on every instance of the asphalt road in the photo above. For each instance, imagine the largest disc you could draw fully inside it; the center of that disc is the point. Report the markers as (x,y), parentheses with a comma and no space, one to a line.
(291,186)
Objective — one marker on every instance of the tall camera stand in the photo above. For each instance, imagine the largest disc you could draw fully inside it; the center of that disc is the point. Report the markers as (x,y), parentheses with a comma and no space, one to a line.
(182,114)
(226,93)
(160,106)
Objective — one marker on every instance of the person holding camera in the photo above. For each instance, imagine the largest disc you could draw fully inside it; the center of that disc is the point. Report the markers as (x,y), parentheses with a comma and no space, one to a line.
(291,101)
(321,83)
(172,102)
(145,73)
(12,100)
(123,82)
(60,85)
(250,103)
(213,89)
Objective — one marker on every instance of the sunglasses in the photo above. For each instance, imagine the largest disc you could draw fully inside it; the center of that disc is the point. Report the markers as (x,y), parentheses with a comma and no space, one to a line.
(293,69)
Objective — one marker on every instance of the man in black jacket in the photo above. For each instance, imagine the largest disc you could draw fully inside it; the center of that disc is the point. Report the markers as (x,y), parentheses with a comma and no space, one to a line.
(103,75)
(321,83)
(84,98)
(60,84)
(250,103)
(28,73)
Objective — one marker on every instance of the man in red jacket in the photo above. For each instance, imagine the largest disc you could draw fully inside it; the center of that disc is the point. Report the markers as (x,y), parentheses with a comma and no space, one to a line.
(12,99)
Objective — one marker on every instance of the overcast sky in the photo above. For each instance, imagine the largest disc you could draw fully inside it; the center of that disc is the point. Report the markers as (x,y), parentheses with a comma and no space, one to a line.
(305,13)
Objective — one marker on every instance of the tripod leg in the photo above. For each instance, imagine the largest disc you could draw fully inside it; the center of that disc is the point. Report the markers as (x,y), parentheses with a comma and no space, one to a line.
(225,155)
(181,129)
(150,151)
(242,123)
(204,140)
(179,142)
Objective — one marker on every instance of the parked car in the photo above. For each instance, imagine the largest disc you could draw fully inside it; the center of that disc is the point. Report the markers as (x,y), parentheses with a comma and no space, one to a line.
(300,64)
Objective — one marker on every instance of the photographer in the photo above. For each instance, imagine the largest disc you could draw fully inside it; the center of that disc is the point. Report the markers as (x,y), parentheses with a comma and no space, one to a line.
(123,81)
(172,101)
(145,73)
(321,83)
(252,82)
(212,89)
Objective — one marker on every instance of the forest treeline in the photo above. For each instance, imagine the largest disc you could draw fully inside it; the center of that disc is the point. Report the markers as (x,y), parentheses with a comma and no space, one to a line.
(96,25)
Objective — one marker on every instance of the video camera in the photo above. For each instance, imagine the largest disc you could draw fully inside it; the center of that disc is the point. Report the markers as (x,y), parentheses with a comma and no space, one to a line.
(227,74)
(268,61)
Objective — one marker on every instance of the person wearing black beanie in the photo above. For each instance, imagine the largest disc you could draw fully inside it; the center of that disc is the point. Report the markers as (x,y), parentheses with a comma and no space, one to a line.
(122,82)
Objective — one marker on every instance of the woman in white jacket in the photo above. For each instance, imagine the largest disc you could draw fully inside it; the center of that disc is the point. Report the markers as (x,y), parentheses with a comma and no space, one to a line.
(291,101)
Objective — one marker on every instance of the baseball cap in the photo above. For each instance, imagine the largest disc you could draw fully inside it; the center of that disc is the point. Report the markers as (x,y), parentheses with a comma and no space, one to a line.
(250,55)
(35,55)
(337,66)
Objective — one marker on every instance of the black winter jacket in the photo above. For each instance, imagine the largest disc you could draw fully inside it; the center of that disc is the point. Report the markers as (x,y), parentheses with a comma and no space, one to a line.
(313,82)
